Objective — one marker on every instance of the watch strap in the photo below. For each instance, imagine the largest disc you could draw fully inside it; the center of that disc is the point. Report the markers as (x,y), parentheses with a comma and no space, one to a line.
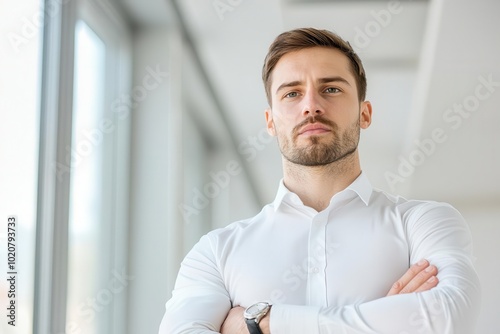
(253,326)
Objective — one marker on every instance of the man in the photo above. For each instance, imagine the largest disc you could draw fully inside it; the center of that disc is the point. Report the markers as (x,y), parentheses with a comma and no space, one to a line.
(330,254)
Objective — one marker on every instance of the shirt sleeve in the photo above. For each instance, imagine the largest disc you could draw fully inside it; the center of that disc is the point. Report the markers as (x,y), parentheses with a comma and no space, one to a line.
(200,301)
(436,232)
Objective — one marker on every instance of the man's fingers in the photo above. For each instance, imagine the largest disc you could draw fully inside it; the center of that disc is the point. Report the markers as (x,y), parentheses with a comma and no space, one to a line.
(416,279)
(420,279)
(407,277)
(429,284)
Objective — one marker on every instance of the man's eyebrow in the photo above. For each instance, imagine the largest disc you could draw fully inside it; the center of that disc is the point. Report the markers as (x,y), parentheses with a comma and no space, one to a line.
(288,84)
(321,80)
(333,79)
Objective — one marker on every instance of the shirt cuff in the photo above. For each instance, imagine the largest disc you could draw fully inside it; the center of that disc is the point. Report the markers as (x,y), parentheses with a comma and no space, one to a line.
(294,319)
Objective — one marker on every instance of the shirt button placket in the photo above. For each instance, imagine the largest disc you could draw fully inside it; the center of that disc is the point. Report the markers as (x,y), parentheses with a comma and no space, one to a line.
(317,262)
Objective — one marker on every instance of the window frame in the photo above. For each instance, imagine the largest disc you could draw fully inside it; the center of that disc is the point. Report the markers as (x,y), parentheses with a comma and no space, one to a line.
(56,107)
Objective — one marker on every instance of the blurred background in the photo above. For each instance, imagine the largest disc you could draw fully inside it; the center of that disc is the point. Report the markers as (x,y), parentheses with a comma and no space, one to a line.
(131,128)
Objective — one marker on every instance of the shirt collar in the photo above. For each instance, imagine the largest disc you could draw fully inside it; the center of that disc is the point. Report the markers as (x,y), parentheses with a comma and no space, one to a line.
(361,186)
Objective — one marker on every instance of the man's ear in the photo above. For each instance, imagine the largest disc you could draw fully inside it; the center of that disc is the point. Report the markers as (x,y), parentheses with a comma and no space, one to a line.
(270,122)
(365,117)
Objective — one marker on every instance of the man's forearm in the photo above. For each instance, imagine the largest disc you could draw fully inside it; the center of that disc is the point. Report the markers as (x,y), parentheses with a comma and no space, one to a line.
(420,277)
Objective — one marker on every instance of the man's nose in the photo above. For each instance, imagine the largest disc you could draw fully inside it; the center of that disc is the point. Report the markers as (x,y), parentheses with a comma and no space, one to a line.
(312,105)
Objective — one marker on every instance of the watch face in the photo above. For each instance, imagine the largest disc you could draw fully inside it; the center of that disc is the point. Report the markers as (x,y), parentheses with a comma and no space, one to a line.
(256,309)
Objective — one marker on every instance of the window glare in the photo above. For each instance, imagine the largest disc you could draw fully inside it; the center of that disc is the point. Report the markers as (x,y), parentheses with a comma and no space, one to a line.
(86,178)
(20,50)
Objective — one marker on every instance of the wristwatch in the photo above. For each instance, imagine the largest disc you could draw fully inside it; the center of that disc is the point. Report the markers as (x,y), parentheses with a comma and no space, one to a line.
(253,314)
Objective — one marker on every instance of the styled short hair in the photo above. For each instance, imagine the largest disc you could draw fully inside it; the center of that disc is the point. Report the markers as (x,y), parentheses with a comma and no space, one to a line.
(298,39)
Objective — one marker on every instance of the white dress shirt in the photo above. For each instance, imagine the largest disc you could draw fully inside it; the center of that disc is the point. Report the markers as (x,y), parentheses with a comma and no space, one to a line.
(329,271)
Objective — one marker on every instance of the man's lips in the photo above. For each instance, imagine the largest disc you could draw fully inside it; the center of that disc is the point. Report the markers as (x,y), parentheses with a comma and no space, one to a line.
(314,129)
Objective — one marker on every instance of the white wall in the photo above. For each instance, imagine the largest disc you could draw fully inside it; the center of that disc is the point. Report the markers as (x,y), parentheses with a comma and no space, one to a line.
(149,214)
(484,222)
(459,53)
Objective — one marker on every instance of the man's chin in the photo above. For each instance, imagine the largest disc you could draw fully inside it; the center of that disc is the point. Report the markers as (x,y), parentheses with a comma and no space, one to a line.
(308,140)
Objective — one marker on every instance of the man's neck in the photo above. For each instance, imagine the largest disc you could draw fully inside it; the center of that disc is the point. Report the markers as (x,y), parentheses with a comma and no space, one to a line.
(316,185)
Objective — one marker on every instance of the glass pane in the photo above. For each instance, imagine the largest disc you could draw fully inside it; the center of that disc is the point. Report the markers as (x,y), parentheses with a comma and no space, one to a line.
(85,218)
(21,25)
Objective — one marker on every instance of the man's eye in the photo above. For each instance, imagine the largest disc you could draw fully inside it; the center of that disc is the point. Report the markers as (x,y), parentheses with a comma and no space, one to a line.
(332,90)
(292,94)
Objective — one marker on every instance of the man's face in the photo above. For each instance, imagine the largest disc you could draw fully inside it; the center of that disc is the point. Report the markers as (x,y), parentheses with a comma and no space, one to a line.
(315,110)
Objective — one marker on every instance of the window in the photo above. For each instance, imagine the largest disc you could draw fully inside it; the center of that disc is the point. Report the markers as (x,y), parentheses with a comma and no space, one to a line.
(20,48)
(83,213)
(86,187)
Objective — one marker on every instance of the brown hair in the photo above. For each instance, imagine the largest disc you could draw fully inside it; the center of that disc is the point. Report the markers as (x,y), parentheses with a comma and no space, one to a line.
(298,39)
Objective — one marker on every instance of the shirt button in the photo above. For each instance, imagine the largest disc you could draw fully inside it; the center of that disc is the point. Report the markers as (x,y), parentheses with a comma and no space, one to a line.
(315,270)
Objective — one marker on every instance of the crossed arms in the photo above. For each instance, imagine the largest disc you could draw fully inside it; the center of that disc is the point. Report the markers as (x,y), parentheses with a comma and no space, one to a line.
(420,277)
(201,303)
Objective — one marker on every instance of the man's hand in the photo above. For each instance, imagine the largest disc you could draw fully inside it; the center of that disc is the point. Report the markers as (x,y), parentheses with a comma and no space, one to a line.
(235,322)
(420,277)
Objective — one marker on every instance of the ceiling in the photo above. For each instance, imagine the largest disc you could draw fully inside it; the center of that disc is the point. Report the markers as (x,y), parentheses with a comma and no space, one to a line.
(421,59)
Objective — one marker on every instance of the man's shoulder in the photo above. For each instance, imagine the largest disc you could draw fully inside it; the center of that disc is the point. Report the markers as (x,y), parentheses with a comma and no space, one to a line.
(411,206)
(239,227)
